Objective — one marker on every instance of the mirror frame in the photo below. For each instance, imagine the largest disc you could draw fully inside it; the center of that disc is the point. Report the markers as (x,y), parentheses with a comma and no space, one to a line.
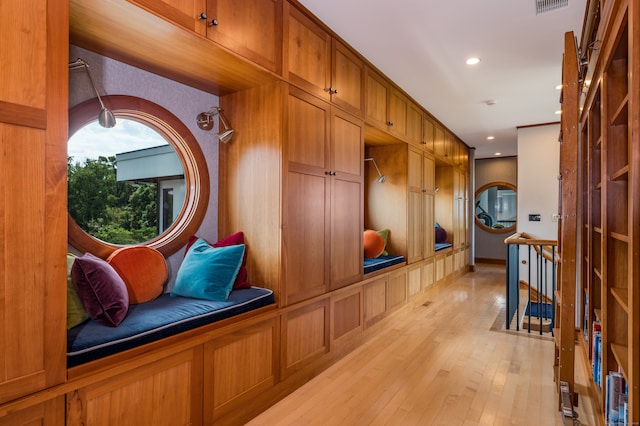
(480,224)
(193,163)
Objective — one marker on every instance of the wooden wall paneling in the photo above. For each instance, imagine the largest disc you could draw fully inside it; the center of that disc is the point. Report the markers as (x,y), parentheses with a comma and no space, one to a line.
(375,300)
(382,200)
(236,28)
(239,367)
(305,335)
(415,206)
(250,178)
(165,392)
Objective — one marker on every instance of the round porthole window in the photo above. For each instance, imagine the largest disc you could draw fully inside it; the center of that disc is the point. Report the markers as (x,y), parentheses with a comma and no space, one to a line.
(144,181)
(495,208)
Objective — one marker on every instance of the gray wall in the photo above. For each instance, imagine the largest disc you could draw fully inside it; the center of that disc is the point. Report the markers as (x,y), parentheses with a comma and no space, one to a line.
(501,169)
(116,78)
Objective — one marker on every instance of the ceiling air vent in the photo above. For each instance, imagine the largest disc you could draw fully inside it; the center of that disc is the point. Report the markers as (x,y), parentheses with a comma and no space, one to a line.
(544,6)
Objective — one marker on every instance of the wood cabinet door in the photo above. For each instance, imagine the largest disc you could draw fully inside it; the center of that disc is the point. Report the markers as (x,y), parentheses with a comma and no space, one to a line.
(33,190)
(428,134)
(347,152)
(251,28)
(307,53)
(440,142)
(376,98)
(428,180)
(414,124)
(190,14)
(346,79)
(414,214)
(306,204)
(398,107)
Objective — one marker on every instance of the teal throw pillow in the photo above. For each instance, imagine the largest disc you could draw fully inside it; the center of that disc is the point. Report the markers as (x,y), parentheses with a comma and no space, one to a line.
(208,272)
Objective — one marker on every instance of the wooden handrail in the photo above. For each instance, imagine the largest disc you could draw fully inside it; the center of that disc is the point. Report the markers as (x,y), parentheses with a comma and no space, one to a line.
(522,238)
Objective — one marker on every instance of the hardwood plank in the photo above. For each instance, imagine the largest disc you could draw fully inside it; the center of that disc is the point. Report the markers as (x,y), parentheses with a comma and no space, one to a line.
(437,365)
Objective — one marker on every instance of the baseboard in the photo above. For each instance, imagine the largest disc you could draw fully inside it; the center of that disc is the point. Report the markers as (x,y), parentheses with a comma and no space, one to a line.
(491,261)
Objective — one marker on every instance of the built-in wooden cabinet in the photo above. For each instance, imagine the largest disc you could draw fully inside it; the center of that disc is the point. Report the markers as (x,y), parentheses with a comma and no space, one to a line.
(609,227)
(428,133)
(320,64)
(48,413)
(323,197)
(189,14)
(250,28)
(33,193)
(421,179)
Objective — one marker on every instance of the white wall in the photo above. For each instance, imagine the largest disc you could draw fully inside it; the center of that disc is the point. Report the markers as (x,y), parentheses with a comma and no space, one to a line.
(538,169)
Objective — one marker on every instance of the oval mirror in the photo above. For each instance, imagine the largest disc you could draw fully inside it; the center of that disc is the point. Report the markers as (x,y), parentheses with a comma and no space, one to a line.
(144,181)
(495,207)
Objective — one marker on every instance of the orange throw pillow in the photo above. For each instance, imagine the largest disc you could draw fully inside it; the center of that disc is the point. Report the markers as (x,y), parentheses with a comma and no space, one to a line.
(373,244)
(143,270)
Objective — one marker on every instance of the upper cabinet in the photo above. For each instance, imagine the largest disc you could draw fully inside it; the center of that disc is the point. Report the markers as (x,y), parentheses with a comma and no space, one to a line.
(251,28)
(390,110)
(320,64)
(190,14)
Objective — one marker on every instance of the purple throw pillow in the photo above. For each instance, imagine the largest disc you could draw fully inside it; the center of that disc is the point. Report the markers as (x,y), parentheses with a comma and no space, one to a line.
(102,292)
(441,235)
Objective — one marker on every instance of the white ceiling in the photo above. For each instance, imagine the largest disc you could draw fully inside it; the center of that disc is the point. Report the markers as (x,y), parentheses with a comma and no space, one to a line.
(422,45)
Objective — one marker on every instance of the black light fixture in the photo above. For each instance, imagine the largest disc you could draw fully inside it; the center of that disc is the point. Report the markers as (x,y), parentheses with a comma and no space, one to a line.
(105,117)
(205,122)
(381,177)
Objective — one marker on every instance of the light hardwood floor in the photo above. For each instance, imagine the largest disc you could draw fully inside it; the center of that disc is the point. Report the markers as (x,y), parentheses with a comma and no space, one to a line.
(437,365)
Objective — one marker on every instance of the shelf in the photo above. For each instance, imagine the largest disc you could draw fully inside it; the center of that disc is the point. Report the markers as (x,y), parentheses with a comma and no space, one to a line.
(622,297)
(598,273)
(556,337)
(621,354)
(598,314)
(598,186)
(621,175)
(558,297)
(620,237)
(597,229)
(598,142)
(621,115)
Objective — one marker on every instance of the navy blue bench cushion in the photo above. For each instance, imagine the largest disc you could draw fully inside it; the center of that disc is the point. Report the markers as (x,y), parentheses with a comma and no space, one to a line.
(442,246)
(157,319)
(381,262)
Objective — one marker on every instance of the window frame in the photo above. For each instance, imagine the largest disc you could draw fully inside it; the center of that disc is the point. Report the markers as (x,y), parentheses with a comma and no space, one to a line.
(193,163)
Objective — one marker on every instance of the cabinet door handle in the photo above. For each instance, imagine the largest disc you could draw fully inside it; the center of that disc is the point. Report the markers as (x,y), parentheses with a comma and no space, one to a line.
(213,23)
(423,142)
(202,16)
(331,90)
(390,123)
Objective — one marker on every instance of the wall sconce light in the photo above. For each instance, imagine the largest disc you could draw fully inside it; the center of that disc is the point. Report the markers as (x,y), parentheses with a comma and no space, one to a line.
(105,117)
(381,177)
(205,122)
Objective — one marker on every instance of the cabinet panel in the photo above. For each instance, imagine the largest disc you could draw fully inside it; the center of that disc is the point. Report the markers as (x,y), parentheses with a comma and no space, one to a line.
(237,366)
(307,131)
(346,232)
(166,392)
(396,290)
(375,301)
(415,280)
(397,117)
(428,134)
(305,241)
(307,55)
(305,335)
(414,124)
(346,79)
(49,413)
(376,98)
(251,28)
(347,312)
(33,228)
(185,13)
(428,227)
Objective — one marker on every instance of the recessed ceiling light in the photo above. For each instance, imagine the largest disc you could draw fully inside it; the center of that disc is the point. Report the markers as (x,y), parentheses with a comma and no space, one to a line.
(490,138)
(473,61)
(497,154)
